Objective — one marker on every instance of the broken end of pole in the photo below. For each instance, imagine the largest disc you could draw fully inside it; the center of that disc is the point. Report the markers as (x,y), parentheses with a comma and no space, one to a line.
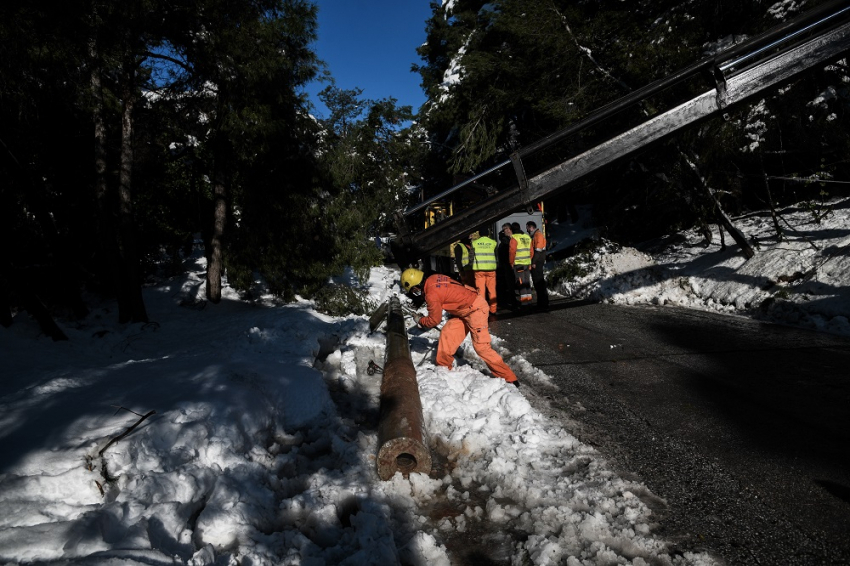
(406,455)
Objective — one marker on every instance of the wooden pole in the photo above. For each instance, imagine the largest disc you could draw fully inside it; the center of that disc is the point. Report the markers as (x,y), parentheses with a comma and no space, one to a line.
(402,439)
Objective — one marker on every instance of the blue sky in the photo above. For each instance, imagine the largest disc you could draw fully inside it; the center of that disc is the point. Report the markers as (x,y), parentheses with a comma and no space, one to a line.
(371,44)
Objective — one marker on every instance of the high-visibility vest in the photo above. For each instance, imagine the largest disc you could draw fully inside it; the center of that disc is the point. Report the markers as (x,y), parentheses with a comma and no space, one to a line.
(485,254)
(523,249)
(464,254)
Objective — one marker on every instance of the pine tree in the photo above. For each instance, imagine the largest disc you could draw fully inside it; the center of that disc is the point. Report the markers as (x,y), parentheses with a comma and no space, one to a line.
(246,62)
(45,160)
(368,159)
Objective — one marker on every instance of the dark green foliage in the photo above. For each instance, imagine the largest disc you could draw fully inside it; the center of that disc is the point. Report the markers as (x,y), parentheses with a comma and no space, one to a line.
(367,161)
(219,101)
(581,262)
(569,270)
(343,300)
(44,160)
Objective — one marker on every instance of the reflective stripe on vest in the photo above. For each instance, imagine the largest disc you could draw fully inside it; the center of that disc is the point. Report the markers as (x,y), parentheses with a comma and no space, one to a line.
(523,249)
(485,254)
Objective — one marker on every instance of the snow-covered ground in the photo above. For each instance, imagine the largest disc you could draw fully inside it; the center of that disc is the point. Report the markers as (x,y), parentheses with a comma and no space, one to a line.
(262,446)
(802,279)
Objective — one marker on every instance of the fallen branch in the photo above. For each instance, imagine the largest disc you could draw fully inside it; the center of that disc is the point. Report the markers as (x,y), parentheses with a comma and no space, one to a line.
(803,236)
(119,407)
(125,433)
(725,221)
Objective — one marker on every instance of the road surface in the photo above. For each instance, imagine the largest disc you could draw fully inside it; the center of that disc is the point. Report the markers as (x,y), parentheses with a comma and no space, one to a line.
(740,429)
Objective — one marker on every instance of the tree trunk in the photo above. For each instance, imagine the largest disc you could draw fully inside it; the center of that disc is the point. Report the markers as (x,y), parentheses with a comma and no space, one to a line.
(108,240)
(215,263)
(134,309)
(779,233)
(34,306)
(736,234)
(725,221)
(63,273)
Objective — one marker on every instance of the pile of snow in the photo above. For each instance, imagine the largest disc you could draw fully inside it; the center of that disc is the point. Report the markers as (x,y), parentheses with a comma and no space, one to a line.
(261,449)
(800,279)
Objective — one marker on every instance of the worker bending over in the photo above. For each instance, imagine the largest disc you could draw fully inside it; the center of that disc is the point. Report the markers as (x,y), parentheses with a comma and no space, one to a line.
(468,313)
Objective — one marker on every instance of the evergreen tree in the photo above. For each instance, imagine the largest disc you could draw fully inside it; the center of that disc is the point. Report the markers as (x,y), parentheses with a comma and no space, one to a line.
(46,162)
(223,104)
(368,160)
(245,64)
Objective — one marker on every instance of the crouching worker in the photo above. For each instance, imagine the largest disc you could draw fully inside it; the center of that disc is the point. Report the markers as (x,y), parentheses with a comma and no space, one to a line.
(468,314)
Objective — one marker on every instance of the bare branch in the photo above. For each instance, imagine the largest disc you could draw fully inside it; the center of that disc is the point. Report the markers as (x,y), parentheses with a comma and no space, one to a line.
(119,407)
(125,433)
(178,62)
(587,52)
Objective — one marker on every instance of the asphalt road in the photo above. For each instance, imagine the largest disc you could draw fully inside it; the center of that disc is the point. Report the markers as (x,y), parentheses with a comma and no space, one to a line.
(740,429)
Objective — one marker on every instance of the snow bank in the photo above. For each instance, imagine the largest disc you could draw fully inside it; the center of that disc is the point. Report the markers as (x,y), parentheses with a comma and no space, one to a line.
(800,279)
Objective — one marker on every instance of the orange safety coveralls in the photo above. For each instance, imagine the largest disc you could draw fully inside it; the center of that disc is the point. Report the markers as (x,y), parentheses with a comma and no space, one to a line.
(538,242)
(470,312)
(485,282)
(484,266)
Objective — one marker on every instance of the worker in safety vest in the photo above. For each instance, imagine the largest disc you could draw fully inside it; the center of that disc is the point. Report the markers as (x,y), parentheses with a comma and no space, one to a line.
(538,258)
(468,313)
(463,262)
(520,259)
(484,267)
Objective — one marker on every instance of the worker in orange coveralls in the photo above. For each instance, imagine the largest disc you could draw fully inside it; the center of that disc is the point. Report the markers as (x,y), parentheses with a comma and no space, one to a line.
(538,258)
(468,313)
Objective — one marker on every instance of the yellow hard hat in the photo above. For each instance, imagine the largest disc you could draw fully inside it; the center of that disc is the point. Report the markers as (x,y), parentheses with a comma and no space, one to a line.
(411,277)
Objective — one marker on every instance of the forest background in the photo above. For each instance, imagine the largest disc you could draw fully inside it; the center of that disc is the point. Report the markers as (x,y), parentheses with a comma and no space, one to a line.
(131,129)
